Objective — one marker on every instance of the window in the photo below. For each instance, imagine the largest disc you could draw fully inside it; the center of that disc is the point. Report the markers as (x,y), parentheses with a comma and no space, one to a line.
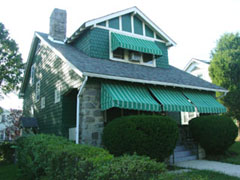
(37,91)
(32,111)
(118,53)
(57,93)
(32,74)
(42,102)
(148,58)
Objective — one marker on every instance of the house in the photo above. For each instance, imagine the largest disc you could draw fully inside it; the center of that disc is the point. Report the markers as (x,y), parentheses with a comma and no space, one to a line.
(111,66)
(198,68)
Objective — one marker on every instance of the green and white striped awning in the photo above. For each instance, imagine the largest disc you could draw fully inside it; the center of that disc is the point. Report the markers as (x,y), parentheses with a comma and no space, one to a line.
(172,99)
(127,96)
(135,44)
(204,102)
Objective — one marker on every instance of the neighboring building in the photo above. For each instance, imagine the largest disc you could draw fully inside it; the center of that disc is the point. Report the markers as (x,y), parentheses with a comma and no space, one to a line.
(9,124)
(198,68)
(111,66)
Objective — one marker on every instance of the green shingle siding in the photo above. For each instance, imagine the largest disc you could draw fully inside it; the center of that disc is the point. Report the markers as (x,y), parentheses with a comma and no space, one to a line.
(138,28)
(162,61)
(114,23)
(102,23)
(126,23)
(83,42)
(49,70)
(99,43)
(148,31)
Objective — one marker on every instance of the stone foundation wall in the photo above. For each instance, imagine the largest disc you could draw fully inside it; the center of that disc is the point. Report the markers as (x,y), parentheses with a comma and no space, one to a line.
(91,116)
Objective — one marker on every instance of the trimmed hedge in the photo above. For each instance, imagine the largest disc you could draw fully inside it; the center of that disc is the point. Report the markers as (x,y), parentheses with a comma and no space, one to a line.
(128,168)
(153,136)
(214,133)
(55,157)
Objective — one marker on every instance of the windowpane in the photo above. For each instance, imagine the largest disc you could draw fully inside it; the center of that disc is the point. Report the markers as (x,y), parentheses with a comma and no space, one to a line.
(148,58)
(118,53)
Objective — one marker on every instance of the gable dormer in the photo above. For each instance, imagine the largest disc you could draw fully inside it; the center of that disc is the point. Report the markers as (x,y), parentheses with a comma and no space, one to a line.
(127,36)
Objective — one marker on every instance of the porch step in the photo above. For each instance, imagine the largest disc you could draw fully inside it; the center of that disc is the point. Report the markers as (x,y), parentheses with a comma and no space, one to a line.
(181,153)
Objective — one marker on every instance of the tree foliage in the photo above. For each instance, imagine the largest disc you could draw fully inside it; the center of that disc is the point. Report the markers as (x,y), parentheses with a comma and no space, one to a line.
(11,65)
(224,70)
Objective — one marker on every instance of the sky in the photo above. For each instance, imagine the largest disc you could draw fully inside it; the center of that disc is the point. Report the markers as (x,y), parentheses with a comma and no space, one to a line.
(195,25)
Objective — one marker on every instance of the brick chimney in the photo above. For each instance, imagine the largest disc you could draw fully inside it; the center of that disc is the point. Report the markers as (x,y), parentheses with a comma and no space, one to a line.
(58,23)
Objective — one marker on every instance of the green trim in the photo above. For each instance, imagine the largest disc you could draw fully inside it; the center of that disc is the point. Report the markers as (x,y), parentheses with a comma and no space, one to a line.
(138,27)
(126,23)
(205,102)
(148,31)
(127,96)
(114,23)
(135,44)
(172,100)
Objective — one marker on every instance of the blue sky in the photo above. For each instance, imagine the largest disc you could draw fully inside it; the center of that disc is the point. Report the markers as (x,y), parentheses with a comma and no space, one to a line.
(195,25)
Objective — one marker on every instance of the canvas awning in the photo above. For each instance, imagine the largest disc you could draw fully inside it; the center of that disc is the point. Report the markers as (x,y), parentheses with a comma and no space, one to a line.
(172,99)
(135,44)
(127,96)
(204,102)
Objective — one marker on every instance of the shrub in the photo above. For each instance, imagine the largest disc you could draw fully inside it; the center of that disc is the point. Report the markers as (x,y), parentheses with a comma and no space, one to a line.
(7,151)
(154,136)
(128,168)
(57,158)
(214,133)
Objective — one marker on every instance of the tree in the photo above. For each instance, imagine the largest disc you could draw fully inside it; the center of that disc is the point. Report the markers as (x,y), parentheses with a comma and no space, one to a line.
(224,70)
(11,65)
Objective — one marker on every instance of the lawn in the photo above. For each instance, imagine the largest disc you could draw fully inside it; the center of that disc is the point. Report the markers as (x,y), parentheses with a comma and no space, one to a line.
(9,172)
(231,156)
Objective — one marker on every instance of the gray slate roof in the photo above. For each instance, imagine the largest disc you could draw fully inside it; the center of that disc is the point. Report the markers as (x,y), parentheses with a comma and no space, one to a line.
(108,67)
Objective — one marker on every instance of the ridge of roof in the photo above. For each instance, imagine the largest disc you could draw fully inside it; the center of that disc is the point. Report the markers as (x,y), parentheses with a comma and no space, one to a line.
(115,70)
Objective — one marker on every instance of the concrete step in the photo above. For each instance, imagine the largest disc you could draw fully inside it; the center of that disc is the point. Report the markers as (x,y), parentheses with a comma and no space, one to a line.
(181,159)
(182,153)
(179,148)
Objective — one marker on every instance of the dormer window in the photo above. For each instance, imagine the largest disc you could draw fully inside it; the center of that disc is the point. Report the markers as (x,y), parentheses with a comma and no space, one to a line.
(133,50)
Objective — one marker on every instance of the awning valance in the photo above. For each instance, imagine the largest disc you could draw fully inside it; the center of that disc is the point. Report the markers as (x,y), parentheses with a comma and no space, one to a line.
(172,99)
(204,102)
(135,44)
(127,96)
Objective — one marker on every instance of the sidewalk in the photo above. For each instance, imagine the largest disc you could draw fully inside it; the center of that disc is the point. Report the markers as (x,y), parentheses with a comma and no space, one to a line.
(225,168)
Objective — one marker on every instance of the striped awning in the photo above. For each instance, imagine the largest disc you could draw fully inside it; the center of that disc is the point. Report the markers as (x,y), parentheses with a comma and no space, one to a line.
(205,102)
(135,44)
(127,96)
(172,99)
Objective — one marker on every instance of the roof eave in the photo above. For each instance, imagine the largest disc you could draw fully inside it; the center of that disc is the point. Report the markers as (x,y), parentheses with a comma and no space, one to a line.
(152,82)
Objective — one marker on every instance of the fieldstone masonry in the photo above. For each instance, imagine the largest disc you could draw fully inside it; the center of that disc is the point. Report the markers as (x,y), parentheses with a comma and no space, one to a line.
(91,116)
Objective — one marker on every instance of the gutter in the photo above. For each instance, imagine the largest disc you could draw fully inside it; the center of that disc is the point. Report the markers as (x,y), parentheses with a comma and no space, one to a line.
(78,108)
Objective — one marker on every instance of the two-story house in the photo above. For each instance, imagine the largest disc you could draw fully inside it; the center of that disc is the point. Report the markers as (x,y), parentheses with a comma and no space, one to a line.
(112,66)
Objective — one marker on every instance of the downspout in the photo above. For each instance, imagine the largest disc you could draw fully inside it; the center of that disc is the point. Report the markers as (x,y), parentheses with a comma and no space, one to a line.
(78,108)
(225,93)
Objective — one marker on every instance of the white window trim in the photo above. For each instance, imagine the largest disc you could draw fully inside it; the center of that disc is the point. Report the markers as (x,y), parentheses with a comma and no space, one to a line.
(38,91)
(126,59)
(131,34)
(32,75)
(57,98)
(43,102)
(196,114)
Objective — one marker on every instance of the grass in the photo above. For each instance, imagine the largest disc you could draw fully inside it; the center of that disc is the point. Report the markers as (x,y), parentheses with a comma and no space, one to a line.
(231,156)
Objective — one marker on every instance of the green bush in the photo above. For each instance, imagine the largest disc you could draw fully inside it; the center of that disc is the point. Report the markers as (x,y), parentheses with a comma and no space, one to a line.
(57,158)
(128,168)
(7,151)
(154,136)
(214,133)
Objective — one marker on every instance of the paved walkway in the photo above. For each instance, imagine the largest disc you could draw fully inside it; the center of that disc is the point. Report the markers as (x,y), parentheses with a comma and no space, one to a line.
(225,168)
